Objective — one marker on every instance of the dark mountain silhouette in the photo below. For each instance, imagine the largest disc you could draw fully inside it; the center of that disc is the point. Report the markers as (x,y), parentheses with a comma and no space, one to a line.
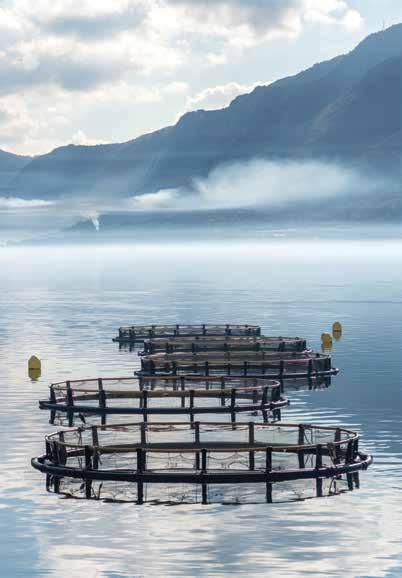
(347,109)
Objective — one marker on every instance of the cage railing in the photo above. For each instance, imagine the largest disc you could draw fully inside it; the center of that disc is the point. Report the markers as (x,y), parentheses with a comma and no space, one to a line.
(223,343)
(140,332)
(230,355)
(146,397)
(103,453)
(279,365)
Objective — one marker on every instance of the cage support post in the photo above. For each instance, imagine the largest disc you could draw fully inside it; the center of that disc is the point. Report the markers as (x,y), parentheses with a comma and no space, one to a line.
(70,404)
(337,439)
(95,443)
(233,405)
(318,465)
(300,452)
(55,456)
(52,398)
(251,440)
(268,470)
(349,460)
(197,441)
(204,486)
(183,387)
(223,399)
(145,404)
(102,401)
(191,406)
(88,466)
(140,483)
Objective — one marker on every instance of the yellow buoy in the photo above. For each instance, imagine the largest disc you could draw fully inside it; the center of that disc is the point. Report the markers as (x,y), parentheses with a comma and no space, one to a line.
(337,327)
(34,368)
(326,338)
(34,363)
(326,342)
(34,374)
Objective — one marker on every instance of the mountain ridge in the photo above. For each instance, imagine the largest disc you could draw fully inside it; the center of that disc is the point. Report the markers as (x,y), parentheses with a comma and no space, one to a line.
(333,110)
(10,165)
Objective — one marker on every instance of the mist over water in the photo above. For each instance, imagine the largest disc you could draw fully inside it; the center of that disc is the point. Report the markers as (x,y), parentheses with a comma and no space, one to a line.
(65,305)
(266,184)
(257,184)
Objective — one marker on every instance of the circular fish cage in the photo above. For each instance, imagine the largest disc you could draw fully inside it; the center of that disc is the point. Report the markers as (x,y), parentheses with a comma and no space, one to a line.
(137,333)
(227,344)
(189,381)
(275,365)
(202,462)
(147,397)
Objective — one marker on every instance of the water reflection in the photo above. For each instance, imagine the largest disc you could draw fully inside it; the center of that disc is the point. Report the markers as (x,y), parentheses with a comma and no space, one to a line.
(68,304)
(180,494)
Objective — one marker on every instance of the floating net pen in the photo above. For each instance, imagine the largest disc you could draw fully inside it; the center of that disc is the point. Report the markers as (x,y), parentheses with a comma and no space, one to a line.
(146,397)
(202,462)
(223,343)
(140,332)
(227,355)
(279,365)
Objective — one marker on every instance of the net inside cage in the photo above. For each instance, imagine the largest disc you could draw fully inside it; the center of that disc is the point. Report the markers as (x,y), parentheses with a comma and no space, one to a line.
(206,462)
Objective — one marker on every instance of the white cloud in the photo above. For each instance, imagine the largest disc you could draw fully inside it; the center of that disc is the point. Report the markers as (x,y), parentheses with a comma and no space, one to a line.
(59,58)
(216,59)
(352,20)
(175,88)
(81,46)
(89,19)
(35,121)
(28,123)
(17,203)
(244,22)
(219,96)
(80,138)
(333,12)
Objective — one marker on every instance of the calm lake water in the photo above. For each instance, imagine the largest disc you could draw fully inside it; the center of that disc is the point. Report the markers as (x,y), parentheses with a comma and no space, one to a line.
(65,305)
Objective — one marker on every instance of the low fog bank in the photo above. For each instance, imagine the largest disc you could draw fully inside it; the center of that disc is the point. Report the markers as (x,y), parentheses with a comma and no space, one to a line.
(245,196)
(267,184)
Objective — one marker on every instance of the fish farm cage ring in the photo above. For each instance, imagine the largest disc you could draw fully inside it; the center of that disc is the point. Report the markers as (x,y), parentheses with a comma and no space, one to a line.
(140,332)
(192,381)
(229,355)
(130,395)
(201,462)
(286,365)
(198,344)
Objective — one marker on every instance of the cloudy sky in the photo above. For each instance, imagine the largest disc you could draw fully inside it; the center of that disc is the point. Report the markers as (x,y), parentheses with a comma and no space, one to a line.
(93,71)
